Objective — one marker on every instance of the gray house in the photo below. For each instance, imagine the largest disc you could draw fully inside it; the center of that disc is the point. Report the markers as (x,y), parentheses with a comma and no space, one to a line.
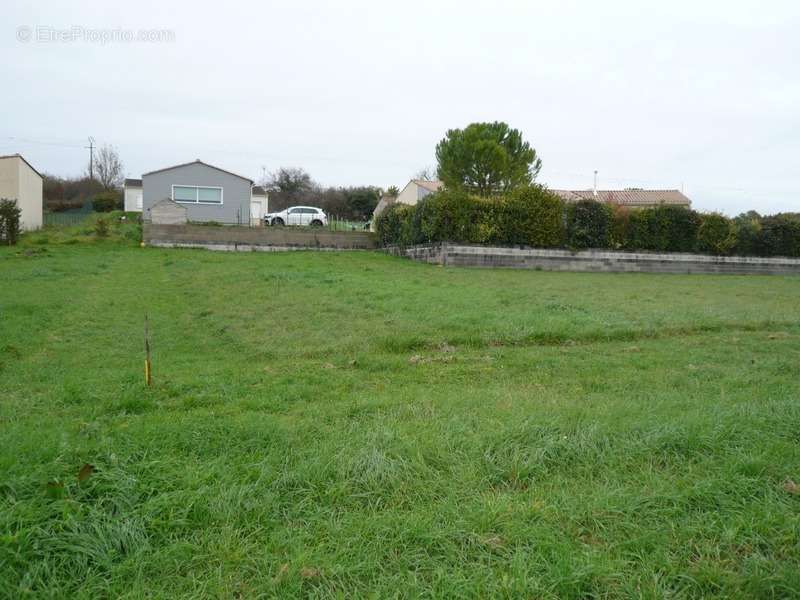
(208,192)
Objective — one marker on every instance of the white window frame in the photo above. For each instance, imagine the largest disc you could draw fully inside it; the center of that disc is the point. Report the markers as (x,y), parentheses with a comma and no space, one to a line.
(197,194)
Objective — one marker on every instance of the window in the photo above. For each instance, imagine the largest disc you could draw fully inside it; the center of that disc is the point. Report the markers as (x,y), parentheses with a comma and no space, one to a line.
(196,194)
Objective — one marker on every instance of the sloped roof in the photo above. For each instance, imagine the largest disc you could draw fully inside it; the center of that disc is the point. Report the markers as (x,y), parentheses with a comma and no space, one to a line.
(168,201)
(259,191)
(200,162)
(133,183)
(431,186)
(627,197)
(22,158)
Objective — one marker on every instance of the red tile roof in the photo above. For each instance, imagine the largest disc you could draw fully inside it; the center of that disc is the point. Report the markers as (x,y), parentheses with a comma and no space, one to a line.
(431,186)
(627,197)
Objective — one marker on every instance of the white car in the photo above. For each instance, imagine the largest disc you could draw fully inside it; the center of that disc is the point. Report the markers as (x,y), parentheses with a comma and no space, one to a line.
(297,215)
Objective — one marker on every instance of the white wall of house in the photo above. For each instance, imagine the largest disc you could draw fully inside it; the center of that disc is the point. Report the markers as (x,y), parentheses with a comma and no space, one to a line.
(409,194)
(133,199)
(20,182)
(259,206)
(413,193)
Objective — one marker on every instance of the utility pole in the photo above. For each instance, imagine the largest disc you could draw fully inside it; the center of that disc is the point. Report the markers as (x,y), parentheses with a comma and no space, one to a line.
(91,157)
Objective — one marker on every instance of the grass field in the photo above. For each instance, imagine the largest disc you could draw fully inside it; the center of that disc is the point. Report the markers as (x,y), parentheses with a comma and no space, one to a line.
(355,425)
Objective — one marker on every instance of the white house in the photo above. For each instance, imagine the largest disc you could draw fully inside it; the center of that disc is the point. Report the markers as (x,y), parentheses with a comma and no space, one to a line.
(132,192)
(259,204)
(20,182)
(414,191)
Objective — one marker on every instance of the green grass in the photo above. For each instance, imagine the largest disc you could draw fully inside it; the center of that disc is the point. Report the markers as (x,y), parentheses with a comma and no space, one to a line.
(83,230)
(355,425)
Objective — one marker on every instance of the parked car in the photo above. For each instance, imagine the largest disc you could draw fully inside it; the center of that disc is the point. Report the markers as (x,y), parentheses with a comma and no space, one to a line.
(297,215)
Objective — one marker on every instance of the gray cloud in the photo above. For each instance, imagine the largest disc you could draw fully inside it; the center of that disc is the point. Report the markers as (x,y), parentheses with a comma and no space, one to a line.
(704,95)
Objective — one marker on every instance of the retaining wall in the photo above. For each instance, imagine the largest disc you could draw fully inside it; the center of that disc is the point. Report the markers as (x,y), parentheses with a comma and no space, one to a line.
(463,255)
(235,238)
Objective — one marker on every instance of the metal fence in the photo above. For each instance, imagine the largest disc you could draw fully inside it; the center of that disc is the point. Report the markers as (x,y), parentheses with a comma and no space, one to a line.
(338,224)
(64,219)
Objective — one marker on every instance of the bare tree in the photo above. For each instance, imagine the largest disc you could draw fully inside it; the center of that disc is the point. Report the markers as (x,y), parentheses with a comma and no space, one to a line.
(292,180)
(108,167)
(426,174)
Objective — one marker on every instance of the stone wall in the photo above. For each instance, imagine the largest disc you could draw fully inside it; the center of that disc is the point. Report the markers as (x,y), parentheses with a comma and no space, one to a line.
(254,238)
(462,255)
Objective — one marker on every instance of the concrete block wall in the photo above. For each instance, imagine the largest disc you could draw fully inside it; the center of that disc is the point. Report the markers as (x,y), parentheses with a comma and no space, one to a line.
(254,238)
(463,255)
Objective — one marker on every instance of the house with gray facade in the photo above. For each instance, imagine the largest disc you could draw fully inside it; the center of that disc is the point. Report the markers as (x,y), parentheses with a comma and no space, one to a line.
(207,192)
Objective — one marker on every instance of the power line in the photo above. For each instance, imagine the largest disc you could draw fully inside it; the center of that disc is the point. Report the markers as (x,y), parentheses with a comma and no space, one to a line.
(27,141)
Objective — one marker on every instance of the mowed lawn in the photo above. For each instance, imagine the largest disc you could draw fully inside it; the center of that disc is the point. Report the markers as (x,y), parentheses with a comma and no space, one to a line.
(356,425)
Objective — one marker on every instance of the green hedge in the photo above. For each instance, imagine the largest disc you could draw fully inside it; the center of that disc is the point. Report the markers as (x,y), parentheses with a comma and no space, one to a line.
(716,234)
(532,216)
(106,201)
(664,228)
(589,225)
(529,216)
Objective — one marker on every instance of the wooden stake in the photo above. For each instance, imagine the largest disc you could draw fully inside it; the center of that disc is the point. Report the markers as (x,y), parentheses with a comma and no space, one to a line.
(148,379)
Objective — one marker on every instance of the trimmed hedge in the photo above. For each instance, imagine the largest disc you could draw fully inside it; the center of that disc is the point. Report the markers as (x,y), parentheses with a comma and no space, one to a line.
(716,234)
(664,228)
(529,216)
(535,217)
(589,225)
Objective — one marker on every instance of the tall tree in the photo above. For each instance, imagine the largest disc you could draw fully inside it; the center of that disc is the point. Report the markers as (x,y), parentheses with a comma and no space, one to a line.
(486,158)
(108,167)
(292,180)
(362,201)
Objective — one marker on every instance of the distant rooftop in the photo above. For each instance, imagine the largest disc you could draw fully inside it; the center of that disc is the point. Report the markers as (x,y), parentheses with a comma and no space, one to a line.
(627,197)
(431,186)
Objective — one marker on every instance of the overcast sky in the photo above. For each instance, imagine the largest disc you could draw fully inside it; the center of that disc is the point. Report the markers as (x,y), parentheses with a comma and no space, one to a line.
(700,94)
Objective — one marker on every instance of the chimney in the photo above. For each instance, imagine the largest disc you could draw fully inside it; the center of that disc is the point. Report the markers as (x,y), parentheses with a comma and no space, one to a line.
(594,188)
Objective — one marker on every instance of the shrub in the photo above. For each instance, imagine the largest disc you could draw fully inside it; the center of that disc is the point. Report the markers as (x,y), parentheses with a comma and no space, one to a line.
(665,228)
(620,225)
(388,225)
(399,225)
(589,224)
(101,228)
(748,234)
(716,234)
(450,216)
(780,235)
(530,216)
(10,216)
(105,201)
